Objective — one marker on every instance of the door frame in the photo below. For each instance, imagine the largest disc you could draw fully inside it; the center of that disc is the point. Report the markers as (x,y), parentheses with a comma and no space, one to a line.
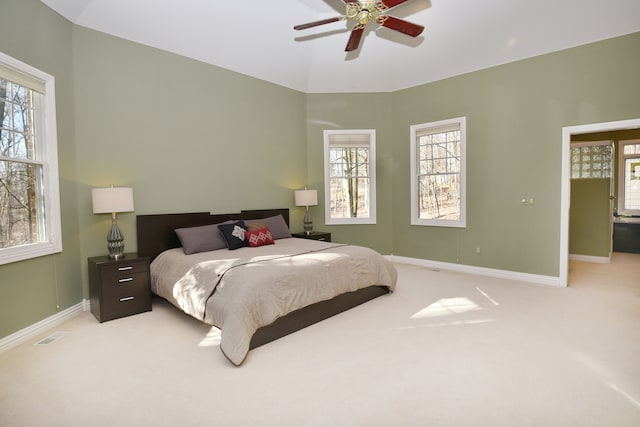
(565,186)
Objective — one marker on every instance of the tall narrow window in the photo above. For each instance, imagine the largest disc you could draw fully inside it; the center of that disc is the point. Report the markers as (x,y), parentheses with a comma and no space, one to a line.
(29,198)
(350,176)
(438,166)
(629,178)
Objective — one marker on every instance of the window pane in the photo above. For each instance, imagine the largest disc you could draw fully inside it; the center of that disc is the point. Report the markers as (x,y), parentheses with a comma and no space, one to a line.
(632,184)
(439,176)
(19,206)
(16,113)
(350,198)
(439,197)
(632,149)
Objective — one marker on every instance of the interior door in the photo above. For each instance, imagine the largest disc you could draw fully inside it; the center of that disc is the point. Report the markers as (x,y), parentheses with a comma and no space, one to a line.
(591,213)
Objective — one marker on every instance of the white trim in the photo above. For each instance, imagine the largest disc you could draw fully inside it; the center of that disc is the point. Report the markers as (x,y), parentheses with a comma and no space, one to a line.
(590,258)
(31,332)
(565,187)
(481,271)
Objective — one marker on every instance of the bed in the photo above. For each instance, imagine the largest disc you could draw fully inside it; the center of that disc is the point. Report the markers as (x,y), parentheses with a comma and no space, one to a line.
(256,294)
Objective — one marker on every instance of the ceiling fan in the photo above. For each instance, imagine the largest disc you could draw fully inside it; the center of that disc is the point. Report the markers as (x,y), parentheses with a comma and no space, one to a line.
(363,12)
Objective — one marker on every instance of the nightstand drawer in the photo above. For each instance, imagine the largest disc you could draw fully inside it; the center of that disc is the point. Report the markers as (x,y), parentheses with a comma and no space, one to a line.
(117,285)
(119,272)
(125,302)
(119,277)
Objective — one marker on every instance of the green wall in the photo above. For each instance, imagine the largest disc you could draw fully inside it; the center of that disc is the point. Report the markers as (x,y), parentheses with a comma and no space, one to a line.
(515,115)
(188,136)
(185,135)
(35,289)
(354,111)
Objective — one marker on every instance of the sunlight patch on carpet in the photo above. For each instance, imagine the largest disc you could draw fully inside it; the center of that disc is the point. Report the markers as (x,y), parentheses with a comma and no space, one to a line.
(447,307)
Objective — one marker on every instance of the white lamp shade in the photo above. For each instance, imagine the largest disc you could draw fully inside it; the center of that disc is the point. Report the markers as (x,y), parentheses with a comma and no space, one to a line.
(306,197)
(112,199)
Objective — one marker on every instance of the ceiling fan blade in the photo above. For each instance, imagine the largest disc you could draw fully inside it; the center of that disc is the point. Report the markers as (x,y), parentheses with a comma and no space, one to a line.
(316,23)
(392,3)
(401,25)
(354,39)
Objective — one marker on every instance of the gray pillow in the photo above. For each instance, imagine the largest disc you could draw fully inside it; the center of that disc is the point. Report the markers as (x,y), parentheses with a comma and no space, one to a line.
(276,225)
(201,239)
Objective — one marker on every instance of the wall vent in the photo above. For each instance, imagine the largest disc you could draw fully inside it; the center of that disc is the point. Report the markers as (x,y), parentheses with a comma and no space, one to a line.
(52,338)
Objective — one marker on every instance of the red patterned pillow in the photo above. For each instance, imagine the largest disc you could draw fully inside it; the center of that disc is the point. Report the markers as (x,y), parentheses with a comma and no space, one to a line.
(259,237)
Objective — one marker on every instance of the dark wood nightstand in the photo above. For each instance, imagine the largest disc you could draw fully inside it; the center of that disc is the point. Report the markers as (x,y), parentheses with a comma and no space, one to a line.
(119,288)
(314,235)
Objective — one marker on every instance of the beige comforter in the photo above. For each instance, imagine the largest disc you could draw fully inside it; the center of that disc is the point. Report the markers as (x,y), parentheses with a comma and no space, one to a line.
(239,291)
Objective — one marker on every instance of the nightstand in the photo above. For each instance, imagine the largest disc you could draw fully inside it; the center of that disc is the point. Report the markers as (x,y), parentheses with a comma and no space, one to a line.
(315,235)
(119,288)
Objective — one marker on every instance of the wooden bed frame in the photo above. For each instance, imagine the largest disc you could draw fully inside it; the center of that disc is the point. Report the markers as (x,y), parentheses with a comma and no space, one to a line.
(156,234)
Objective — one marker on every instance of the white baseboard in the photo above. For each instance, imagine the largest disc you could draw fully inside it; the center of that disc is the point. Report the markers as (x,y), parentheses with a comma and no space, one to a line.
(31,332)
(589,258)
(482,271)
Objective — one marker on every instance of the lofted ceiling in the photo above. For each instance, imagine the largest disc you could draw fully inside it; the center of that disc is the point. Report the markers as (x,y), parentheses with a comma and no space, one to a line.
(256,37)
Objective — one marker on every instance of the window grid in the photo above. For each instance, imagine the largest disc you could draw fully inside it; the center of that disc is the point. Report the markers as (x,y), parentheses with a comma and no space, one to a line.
(21,177)
(439,176)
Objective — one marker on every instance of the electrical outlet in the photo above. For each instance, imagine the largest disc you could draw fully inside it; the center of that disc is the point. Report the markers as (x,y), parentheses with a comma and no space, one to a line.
(478,249)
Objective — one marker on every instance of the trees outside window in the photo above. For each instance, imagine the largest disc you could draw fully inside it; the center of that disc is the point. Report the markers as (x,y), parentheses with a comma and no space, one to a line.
(350,176)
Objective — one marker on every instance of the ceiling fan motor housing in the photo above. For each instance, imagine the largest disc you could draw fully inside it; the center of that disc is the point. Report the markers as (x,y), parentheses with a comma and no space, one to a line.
(365,11)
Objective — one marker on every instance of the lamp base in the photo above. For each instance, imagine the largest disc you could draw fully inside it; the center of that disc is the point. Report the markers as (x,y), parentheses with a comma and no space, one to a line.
(115,241)
(307,224)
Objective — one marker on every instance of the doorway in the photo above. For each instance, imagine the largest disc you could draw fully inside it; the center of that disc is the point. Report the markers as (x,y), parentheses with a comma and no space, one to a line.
(565,189)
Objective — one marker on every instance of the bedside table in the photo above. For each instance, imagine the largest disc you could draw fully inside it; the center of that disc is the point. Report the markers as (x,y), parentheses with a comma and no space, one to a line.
(315,235)
(119,288)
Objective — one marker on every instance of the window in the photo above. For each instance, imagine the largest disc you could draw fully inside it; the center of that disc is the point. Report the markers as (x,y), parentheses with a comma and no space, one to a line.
(438,167)
(350,176)
(629,178)
(29,197)
(591,160)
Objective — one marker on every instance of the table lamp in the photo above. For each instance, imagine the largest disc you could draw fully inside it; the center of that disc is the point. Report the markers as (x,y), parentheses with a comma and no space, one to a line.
(307,198)
(113,200)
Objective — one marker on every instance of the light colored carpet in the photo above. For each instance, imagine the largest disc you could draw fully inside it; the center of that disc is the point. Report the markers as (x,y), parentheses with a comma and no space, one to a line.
(446,349)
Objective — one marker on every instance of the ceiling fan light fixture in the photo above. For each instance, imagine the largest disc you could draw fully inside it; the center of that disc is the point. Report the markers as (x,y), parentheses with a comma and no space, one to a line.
(363,12)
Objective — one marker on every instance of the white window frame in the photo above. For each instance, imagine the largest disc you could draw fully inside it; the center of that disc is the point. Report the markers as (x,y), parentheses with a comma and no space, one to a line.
(621,178)
(51,241)
(371,219)
(461,123)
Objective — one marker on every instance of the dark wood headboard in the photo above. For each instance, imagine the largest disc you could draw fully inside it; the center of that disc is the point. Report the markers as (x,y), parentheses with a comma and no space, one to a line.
(156,232)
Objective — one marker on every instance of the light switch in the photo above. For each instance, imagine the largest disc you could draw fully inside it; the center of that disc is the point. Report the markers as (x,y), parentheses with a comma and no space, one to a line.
(528,201)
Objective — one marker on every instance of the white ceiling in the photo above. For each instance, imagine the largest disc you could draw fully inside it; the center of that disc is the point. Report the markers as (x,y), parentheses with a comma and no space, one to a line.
(256,37)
